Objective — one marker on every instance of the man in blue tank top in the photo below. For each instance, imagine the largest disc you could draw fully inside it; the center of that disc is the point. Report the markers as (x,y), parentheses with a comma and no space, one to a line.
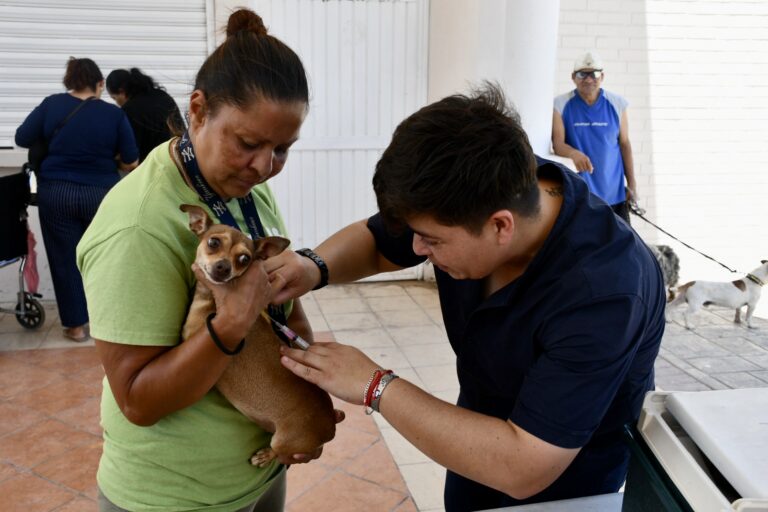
(589,126)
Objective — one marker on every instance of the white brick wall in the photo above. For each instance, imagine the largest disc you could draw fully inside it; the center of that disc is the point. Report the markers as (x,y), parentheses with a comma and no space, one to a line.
(696,75)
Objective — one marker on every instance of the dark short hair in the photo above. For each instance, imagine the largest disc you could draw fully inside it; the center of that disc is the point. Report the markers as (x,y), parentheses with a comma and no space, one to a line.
(82,74)
(458,160)
(251,64)
(131,82)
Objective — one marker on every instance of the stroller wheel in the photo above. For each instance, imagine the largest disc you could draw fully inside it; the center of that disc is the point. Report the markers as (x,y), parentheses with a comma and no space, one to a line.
(34,315)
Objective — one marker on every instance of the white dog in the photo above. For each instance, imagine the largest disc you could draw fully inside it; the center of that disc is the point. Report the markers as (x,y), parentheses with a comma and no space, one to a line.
(742,292)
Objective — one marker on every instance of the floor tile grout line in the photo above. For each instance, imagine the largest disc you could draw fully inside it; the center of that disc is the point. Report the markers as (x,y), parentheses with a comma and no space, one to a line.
(22,470)
(327,476)
(379,440)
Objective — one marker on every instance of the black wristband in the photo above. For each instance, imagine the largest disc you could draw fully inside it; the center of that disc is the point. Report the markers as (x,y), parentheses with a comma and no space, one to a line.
(309,253)
(218,342)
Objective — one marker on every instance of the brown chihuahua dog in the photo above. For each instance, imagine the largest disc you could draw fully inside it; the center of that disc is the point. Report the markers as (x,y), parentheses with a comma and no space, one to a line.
(299,414)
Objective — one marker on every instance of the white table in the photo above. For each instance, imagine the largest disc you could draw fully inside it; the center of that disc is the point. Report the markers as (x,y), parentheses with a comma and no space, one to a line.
(601,503)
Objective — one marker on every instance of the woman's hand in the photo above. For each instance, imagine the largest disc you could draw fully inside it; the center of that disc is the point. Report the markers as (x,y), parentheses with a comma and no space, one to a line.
(127,166)
(341,370)
(239,302)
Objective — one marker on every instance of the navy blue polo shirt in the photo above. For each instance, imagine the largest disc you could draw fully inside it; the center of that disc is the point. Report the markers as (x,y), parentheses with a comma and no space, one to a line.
(565,351)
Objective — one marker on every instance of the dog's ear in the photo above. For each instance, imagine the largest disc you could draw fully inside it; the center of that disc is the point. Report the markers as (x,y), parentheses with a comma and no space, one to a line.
(199,221)
(763,261)
(270,246)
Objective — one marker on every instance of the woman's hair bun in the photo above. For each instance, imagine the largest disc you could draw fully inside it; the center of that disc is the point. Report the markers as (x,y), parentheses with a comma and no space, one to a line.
(247,20)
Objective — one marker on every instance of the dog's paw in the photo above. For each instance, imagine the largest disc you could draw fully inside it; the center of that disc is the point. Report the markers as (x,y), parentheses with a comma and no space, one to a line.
(263,457)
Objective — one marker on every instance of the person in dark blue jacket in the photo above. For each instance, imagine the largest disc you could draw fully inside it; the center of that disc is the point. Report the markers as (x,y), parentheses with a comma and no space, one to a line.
(553,305)
(84,155)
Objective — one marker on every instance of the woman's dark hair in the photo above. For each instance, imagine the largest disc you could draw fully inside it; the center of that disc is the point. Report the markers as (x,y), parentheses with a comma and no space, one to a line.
(458,160)
(131,82)
(82,74)
(251,65)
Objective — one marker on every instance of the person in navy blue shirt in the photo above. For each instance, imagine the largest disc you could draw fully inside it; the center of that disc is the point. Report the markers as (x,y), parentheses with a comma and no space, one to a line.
(82,164)
(590,126)
(552,304)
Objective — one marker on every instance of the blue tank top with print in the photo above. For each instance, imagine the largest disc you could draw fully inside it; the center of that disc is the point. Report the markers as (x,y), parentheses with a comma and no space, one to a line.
(594,130)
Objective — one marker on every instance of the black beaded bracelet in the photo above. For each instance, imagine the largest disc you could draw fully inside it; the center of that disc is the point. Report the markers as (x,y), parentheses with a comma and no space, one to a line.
(309,253)
(218,342)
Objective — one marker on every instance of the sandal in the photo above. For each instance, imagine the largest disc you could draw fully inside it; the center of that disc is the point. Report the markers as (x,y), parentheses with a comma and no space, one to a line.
(69,333)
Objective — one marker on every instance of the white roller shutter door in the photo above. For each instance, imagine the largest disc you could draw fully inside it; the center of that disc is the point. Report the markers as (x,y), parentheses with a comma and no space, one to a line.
(167,40)
(367,67)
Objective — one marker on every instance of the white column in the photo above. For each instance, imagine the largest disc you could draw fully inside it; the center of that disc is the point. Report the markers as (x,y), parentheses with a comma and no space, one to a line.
(513,43)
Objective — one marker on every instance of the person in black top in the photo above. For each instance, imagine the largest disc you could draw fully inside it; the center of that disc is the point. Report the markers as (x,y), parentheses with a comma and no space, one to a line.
(553,306)
(152,112)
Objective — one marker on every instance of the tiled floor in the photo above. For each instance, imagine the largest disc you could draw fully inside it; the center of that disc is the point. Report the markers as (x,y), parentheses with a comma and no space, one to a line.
(399,325)
(49,436)
(50,440)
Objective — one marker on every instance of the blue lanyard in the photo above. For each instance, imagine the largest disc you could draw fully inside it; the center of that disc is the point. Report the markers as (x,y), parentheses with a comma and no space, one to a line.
(212,199)
(219,207)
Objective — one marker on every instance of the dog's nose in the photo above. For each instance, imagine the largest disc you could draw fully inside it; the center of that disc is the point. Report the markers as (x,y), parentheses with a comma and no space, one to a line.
(221,270)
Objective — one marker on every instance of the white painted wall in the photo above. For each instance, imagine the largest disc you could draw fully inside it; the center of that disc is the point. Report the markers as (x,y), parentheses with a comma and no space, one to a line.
(512,43)
(366,63)
(695,75)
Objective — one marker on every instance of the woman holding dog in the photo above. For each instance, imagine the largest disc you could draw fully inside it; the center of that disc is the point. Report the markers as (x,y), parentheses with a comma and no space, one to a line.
(171,441)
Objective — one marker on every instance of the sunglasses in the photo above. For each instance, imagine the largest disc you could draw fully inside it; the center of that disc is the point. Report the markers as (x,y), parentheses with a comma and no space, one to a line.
(595,75)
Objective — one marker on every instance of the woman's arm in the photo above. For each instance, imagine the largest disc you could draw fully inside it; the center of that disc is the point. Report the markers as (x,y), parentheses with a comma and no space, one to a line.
(127,152)
(127,167)
(150,382)
(31,129)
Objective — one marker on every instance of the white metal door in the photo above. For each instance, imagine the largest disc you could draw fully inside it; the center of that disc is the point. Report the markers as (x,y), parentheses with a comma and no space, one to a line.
(367,67)
(167,40)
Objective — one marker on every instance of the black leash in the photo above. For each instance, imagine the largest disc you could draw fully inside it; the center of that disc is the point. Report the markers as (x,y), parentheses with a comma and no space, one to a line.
(636,210)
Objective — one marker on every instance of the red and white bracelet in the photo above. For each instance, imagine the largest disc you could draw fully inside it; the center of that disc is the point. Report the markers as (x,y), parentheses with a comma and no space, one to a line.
(374,389)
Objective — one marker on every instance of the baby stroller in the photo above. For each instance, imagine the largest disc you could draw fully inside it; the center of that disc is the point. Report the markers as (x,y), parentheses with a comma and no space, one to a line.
(15,196)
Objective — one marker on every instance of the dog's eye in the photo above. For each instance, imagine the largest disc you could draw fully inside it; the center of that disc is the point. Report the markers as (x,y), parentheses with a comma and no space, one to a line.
(214,243)
(243,259)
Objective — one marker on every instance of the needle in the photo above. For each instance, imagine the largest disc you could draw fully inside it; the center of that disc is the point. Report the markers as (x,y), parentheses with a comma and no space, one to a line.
(292,336)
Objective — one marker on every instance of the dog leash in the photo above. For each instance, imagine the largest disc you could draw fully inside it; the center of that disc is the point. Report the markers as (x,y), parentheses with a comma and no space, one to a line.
(640,212)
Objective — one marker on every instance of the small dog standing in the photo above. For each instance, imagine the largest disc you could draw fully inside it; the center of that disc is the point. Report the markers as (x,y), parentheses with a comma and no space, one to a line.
(736,294)
(300,414)
(670,267)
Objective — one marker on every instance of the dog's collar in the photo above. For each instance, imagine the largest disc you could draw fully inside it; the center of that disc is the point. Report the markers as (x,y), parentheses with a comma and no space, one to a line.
(755,279)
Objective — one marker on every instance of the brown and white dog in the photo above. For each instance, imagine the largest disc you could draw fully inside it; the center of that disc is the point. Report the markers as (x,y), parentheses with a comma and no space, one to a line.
(300,414)
(736,294)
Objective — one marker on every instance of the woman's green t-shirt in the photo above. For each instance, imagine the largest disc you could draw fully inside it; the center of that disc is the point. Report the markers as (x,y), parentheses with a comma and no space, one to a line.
(135,261)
